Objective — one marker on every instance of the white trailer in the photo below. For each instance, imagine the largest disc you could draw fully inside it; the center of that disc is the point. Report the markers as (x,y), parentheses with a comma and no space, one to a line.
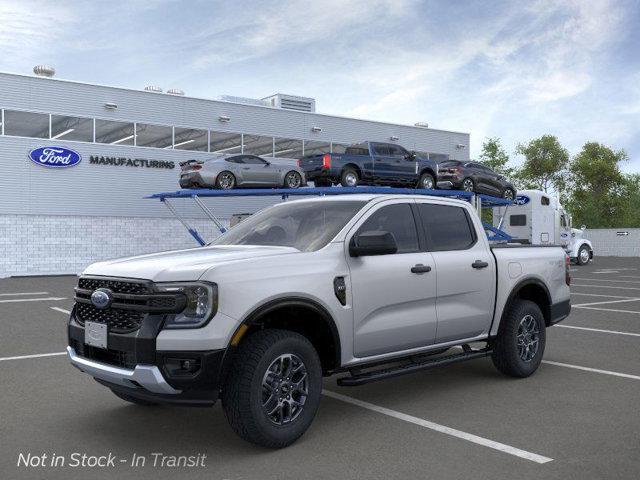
(537,218)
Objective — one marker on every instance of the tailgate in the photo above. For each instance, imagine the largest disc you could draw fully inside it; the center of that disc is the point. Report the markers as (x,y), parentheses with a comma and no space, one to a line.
(315,163)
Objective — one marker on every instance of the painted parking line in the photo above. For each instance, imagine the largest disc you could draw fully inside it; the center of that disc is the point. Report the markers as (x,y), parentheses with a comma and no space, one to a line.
(605,280)
(606,286)
(44,299)
(604,302)
(599,330)
(534,457)
(39,355)
(61,310)
(22,293)
(593,370)
(598,295)
(607,309)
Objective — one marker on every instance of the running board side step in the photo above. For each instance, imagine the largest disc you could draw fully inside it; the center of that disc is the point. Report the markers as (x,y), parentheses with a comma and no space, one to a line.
(413,366)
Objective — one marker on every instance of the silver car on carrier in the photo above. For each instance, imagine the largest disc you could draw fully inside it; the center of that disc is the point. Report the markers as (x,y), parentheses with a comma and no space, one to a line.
(241,170)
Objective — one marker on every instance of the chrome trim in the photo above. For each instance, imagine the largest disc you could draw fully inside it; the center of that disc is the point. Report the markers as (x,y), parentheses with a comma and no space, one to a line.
(147,376)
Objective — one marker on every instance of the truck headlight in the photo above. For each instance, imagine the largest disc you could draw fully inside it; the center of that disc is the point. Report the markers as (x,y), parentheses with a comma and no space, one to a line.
(201,303)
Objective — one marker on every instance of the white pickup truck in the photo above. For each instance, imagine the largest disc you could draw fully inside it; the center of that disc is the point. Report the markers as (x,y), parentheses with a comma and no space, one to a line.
(371,286)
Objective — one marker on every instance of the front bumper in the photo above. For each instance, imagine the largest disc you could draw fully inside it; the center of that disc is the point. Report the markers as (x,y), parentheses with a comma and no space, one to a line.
(148,377)
(133,365)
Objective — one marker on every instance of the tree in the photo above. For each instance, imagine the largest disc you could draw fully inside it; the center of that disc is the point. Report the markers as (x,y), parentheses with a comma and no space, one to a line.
(600,193)
(495,157)
(631,213)
(545,164)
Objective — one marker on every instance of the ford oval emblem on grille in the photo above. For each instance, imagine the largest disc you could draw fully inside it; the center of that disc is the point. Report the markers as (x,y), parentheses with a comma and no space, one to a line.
(102,298)
(56,157)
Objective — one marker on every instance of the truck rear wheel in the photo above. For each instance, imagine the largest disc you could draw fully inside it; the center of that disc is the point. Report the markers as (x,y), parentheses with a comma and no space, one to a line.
(519,346)
(273,391)
(349,178)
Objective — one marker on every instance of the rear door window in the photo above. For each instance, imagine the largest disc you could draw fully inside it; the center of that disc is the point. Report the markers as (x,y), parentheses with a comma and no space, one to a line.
(381,150)
(446,227)
(398,220)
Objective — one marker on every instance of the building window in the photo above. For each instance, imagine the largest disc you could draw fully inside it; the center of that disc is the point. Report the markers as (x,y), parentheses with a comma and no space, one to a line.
(258,145)
(72,128)
(114,133)
(157,136)
(312,147)
(338,147)
(224,142)
(190,139)
(287,148)
(26,124)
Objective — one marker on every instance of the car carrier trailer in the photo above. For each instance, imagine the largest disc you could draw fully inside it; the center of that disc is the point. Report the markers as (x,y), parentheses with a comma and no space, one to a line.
(479,201)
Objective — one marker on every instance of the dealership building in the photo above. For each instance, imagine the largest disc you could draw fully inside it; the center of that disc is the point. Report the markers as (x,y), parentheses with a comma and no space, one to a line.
(127,144)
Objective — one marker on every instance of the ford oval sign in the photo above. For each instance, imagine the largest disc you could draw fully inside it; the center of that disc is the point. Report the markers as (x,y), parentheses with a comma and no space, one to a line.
(56,157)
(521,200)
(102,298)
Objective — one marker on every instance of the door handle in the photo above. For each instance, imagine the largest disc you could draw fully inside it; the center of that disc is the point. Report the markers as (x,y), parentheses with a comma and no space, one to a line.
(419,268)
(479,264)
(246,168)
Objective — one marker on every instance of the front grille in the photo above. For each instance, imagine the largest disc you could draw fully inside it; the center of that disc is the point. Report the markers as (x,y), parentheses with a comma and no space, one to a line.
(132,301)
(116,286)
(117,358)
(118,320)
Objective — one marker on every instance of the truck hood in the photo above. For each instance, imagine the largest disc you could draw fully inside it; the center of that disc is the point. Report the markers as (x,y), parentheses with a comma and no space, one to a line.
(181,265)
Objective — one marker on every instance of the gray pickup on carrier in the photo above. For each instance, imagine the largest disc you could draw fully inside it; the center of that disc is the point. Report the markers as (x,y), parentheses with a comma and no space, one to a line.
(372,286)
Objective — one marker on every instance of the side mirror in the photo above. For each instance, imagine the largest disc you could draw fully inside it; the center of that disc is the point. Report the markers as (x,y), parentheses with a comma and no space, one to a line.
(410,156)
(583,227)
(267,164)
(372,242)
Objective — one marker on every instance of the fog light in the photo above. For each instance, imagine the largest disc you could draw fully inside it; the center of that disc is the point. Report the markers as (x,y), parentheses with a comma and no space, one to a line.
(180,367)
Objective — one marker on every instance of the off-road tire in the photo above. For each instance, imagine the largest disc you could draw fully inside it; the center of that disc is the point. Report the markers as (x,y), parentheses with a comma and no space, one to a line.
(137,401)
(505,356)
(242,391)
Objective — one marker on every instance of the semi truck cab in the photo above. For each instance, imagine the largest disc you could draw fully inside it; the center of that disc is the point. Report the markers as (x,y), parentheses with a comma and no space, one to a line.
(537,218)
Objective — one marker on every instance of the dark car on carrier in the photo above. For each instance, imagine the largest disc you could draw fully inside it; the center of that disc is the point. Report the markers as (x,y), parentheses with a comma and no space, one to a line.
(475,177)
(371,163)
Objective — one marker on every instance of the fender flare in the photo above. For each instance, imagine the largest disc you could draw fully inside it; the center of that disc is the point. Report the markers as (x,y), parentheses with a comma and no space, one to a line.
(295,301)
(514,292)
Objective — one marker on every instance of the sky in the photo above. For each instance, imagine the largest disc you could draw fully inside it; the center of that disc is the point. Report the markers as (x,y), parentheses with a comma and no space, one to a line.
(514,70)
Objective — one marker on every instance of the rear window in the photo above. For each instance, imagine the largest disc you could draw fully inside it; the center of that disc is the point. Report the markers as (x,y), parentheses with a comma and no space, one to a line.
(517,220)
(446,227)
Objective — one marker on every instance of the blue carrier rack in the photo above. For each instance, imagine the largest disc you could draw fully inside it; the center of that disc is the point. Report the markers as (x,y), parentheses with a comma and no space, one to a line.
(480,201)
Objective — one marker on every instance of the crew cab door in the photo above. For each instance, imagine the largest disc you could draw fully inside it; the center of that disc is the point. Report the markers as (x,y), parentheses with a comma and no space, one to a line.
(382,161)
(466,271)
(394,308)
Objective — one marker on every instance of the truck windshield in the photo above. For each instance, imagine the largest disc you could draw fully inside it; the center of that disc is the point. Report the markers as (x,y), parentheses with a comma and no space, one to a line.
(306,226)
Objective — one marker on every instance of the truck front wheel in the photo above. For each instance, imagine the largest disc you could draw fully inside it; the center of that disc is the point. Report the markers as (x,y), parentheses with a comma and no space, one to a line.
(519,346)
(583,255)
(273,390)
